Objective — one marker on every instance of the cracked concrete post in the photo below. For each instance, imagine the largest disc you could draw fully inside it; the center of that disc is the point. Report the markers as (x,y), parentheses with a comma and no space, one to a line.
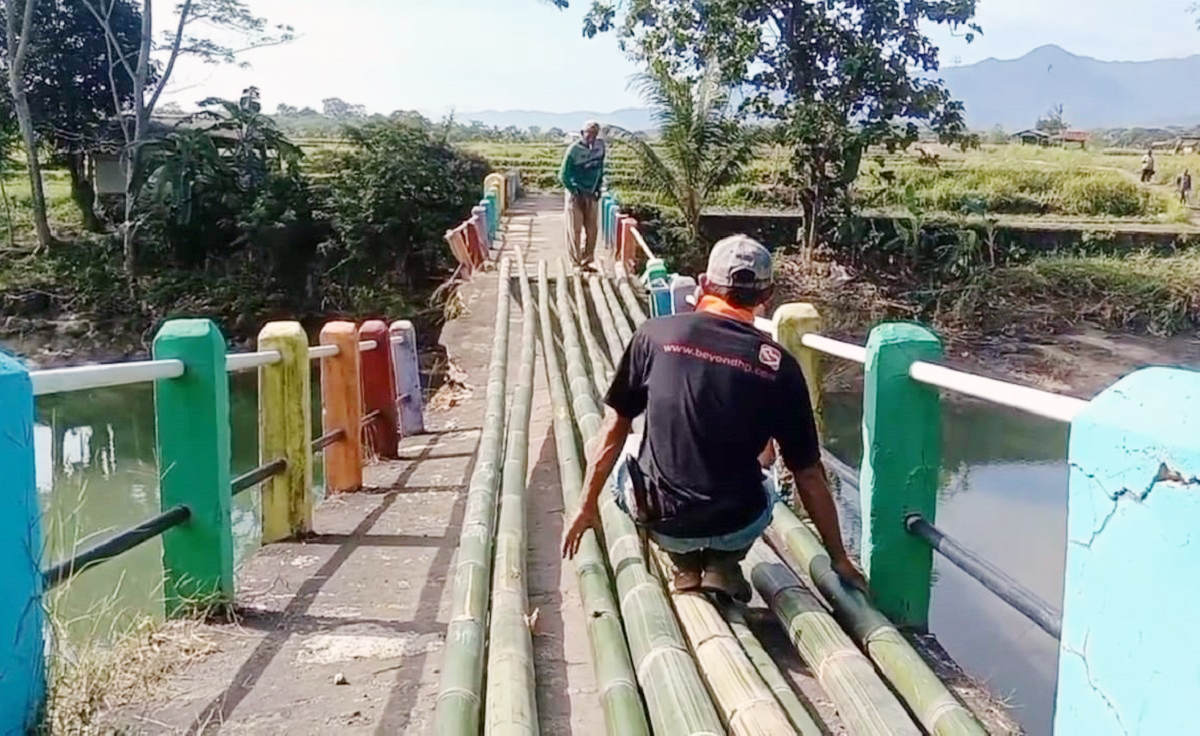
(1127,657)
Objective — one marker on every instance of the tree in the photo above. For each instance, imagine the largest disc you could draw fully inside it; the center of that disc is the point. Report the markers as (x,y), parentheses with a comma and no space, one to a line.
(835,77)
(139,64)
(338,109)
(1053,122)
(286,110)
(19,31)
(70,90)
(700,147)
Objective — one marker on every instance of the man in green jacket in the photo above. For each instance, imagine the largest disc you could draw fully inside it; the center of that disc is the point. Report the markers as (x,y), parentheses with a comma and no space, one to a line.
(581,175)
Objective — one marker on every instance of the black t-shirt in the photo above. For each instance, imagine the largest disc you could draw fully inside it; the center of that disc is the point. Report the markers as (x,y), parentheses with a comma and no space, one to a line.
(714,390)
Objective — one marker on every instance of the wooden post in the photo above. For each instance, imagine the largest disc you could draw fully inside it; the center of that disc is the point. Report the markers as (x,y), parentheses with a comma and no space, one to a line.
(22,618)
(1127,655)
(902,453)
(341,408)
(407,368)
(192,414)
(379,389)
(285,431)
(793,322)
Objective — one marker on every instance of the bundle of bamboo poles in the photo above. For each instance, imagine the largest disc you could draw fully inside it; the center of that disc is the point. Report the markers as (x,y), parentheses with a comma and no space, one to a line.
(460,695)
(864,702)
(511,704)
(935,707)
(624,713)
(676,697)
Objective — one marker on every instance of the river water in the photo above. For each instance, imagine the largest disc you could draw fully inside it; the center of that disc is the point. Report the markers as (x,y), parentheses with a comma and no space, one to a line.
(1003,493)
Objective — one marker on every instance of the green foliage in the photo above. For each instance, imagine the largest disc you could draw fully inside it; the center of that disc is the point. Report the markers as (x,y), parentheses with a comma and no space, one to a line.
(390,200)
(700,148)
(837,77)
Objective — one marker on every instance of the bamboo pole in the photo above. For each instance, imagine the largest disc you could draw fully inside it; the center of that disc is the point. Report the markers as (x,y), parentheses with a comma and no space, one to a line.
(460,700)
(863,700)
(624,331)
(676,698)
(636,312)
(798,713)
(624,712)
(599,366)
(747,705)
(511,704)
(607,325)
(936,708)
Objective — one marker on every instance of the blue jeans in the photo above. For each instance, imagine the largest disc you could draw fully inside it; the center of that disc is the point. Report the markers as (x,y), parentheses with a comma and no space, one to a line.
(732,542)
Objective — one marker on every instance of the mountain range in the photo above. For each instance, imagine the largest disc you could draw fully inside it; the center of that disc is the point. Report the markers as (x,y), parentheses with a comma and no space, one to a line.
(1012,94)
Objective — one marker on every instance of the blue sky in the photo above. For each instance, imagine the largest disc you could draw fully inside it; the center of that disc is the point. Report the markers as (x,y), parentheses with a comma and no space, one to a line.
(470,55)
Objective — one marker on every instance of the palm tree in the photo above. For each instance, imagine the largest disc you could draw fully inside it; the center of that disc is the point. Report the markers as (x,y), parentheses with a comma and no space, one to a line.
(701,146)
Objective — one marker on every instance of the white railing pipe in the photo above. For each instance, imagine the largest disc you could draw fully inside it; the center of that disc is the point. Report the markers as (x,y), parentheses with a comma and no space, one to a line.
(85,377)
(1031,400)
(239,362)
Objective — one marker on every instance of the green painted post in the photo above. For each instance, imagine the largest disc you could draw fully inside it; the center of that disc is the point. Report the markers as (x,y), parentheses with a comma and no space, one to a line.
(902,456)
(193,455)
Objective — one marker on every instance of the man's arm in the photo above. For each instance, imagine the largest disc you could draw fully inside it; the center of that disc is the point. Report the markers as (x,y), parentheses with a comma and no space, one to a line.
(818,501)
(608,443)
(565,171)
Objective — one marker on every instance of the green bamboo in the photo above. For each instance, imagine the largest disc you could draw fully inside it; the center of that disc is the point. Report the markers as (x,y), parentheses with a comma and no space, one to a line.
(608,330)
(747,705)
(636,312)
(460,693)
(599,365)
(624,712)
(676,698)
(797,712)
(936,708)
(624,331)
(511,703)
(863,701)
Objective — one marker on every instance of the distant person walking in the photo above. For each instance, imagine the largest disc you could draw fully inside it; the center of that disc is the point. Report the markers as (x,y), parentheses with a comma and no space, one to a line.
(1185,186)
(1148,167)
(581,175)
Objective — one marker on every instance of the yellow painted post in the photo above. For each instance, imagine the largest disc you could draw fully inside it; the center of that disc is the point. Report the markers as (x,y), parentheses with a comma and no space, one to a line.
(341,408)
(496,181)
(793,322)
(284,429)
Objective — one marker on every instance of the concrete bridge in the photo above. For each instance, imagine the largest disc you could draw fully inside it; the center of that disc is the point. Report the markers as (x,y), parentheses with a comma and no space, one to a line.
(425,593)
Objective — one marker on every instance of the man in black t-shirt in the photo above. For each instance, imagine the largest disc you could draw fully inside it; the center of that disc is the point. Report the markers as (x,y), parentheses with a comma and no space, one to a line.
(715,391)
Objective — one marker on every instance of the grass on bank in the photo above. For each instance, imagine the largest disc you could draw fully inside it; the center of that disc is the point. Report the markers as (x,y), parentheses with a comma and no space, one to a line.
(1140,293)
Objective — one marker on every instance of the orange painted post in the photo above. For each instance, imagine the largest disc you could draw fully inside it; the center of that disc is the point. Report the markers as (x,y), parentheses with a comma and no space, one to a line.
(379,389)
(341,408)
(629,246)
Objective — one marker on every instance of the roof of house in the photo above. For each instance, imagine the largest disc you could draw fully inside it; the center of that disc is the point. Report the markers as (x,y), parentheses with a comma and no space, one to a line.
(1031,134)
(1074,136)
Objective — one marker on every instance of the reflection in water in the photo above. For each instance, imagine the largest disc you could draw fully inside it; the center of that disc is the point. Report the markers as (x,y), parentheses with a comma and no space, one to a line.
(1004,495)
(97,474)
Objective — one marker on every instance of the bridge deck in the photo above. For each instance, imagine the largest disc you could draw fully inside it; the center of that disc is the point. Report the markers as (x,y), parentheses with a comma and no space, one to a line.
(345,630)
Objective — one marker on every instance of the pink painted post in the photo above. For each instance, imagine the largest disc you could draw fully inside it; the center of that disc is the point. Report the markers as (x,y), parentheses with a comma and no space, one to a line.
(379,389)
(478,248)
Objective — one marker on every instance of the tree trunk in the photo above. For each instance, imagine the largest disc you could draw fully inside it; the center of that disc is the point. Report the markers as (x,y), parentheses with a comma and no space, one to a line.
(25,121)
(83,191)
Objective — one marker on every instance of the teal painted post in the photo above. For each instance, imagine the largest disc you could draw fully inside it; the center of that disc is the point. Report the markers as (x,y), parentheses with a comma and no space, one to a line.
(902,455)
(494,212)
(1127,656)
(193,459)
(22,622)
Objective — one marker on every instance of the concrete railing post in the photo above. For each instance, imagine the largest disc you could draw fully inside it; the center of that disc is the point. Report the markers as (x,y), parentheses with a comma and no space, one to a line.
(902,451)
(1127,655)
(407,368)
(284,431)
(479,216)
(495,183)
(379,389)
(192,419)
(793,322)
(22,618)
(341,408)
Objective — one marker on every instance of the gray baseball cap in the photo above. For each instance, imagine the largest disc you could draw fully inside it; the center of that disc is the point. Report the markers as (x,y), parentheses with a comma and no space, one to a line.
(740,260)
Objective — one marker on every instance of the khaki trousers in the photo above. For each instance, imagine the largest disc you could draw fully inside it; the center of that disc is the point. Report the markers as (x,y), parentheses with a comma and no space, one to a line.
(583,219)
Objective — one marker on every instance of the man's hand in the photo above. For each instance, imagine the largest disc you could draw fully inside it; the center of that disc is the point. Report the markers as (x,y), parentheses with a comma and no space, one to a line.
(851,575)
(587,518)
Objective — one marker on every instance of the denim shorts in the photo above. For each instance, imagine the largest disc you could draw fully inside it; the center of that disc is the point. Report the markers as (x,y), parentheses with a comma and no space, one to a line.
(732,542)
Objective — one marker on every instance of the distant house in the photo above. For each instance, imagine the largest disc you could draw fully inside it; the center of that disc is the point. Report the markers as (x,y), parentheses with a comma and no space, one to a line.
(1033,137)
(105,152)
(1082,137)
